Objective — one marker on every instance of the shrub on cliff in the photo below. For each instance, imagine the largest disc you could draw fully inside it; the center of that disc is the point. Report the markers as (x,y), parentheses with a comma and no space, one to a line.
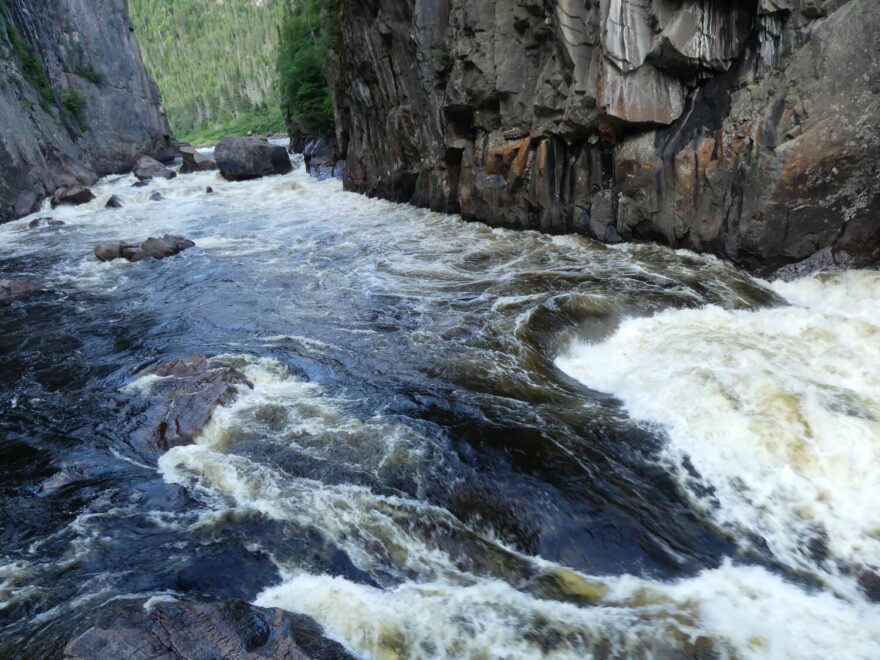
(306,34)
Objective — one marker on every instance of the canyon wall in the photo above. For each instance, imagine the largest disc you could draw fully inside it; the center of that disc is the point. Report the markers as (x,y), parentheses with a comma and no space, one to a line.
(75,100)
(747,128)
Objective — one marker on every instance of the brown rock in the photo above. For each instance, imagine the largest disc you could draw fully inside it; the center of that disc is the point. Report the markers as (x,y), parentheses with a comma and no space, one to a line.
(74,195)
(11,289)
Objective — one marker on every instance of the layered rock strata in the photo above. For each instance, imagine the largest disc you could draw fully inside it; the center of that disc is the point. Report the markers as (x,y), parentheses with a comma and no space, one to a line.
(749,128)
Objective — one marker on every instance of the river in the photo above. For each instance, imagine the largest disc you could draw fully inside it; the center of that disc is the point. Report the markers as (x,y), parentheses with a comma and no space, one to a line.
(462,441)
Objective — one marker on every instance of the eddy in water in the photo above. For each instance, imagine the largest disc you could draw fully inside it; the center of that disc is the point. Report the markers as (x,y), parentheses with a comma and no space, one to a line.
(420,438)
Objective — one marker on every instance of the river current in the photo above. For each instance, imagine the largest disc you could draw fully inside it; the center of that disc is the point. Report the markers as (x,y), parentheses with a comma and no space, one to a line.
(462,442)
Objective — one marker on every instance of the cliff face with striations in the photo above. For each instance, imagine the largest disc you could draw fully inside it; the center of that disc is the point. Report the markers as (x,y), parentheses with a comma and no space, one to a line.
(748,128)
(75,100)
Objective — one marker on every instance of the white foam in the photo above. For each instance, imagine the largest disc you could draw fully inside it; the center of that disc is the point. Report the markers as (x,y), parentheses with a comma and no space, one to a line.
(778,410)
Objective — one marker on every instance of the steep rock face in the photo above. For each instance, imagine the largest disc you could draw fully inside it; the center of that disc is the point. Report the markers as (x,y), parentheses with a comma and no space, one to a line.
(75,99)
(747,128)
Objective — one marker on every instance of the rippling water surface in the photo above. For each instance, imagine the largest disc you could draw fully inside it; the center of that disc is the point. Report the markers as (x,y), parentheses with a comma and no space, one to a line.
(463,442)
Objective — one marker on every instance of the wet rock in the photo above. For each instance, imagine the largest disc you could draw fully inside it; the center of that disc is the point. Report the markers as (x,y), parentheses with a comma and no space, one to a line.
(209,190)
(156,196)
(243,158)
(41,223)
(184,402)
(152,248)
(113,203)
(195,161)
(109,251)
(141,184)
(188,629)
(74,195)
(11,289)
(149,168)
(321,156)
(823,261)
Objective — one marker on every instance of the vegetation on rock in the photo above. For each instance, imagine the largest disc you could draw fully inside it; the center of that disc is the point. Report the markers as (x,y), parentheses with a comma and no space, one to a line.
(308,30)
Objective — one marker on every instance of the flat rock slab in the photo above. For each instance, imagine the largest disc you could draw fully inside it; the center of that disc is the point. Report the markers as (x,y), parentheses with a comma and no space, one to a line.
(184,401)
(152,248)
(243,158)
(202,631)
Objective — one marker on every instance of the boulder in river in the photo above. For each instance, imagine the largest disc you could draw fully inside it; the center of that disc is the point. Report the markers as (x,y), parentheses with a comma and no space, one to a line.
(156,196)
(195,161)
(141,184)
(321,156)
(243,158)
(41,223)
(149,168)
(152,248)
(114,203)
(11,289)
(190,629)
(74,195)
(185,400)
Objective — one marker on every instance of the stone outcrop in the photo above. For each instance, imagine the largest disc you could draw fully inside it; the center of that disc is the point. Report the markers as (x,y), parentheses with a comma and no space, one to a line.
(181,629)
(75,100)
(243,158)
(195,161)
(750,129)
(148,168)
(152,248)
(73,195)
(183,402)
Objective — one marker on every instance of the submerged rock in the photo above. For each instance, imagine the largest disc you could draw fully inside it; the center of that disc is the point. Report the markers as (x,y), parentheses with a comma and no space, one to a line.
(209,190)
(141,184)
(243,158)
(149,168)
(185,400)
(195,161)
(74,195)
(10,289)
(187,629)
(41,223)
(156,196)
(113,203)
(152,248)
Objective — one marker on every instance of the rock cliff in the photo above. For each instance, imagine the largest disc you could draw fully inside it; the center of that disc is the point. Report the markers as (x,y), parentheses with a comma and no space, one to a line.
(748,128)
(75,99)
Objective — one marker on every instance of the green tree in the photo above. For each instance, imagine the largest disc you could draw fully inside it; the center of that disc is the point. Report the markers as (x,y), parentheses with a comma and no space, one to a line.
(306,35)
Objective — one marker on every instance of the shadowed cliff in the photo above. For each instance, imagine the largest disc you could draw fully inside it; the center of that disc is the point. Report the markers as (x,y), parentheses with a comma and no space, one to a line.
(75,99)
(748,129)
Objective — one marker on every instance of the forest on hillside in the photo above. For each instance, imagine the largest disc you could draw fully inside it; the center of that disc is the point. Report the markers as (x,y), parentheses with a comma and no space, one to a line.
(214,62)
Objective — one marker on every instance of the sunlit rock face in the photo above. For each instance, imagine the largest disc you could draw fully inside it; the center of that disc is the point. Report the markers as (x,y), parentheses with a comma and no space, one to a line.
(717,125)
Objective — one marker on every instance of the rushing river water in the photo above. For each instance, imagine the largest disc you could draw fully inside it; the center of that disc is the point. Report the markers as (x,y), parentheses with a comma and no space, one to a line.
(462,442)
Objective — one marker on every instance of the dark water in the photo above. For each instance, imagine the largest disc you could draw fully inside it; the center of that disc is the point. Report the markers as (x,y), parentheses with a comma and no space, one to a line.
(412,468)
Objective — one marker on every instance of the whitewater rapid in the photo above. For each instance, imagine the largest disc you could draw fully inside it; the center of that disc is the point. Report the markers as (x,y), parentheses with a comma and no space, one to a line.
(460,442)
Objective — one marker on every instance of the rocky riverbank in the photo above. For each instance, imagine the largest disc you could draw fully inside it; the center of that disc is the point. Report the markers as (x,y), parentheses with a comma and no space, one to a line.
(745,129)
